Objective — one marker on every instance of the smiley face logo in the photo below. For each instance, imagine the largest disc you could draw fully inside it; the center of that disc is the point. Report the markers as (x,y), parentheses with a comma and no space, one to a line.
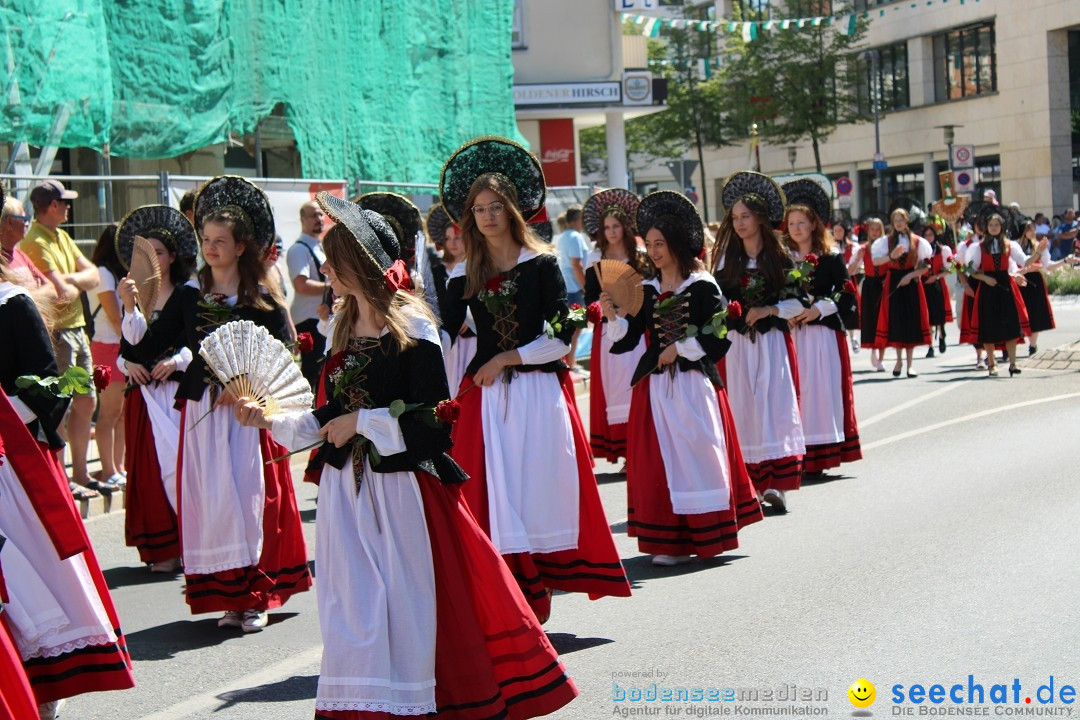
(862,693)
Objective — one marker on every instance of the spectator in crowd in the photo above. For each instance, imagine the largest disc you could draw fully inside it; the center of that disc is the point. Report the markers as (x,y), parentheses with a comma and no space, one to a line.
(990,196)
(57,256)
(1042,226)
(573,247)
(20,269)
(305,260)
(187,205)
(105,348)
(1065,235)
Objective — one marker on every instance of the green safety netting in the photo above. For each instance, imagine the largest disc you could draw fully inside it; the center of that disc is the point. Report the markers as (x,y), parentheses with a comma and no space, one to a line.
(376,89)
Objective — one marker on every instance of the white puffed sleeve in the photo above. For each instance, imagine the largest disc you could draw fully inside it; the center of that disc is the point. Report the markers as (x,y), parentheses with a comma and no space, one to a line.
(295,430)
(133,326)
(880,248)
(182,358)
(616,331)
(689,348)
(789,308)
(542,350)
(383,431)
(825,306)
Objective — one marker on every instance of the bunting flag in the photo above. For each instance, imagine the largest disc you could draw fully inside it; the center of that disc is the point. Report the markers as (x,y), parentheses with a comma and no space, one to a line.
(845,24)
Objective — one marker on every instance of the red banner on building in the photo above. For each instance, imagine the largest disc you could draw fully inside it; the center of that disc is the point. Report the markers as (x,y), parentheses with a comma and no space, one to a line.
(557,151)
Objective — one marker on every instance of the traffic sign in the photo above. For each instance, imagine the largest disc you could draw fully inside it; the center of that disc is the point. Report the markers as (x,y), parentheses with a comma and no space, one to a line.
(963,156)
(965,182)
(881,164)
(844,186)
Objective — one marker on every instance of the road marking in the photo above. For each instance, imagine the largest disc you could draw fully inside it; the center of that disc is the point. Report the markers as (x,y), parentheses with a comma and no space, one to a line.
(211,700)
(965,418)
(910,403)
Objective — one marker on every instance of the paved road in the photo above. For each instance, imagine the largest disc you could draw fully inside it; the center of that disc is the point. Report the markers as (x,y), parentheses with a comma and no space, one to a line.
(950,550)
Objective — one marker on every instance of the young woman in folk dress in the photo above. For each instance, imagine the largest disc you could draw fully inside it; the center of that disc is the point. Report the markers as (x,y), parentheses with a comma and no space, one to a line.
(903,322)
(967,334)
(999,315)
(240,533)
(827,393)
(760,370)
(521,440)
(1036,298)
(57,611)
(419,614)
(151,417)
(938,299)
(608,217)
(686,481)
(870,297)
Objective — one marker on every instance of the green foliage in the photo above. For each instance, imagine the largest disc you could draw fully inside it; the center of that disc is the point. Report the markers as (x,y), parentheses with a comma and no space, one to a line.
(74,381)
(1063,282)
(796,84)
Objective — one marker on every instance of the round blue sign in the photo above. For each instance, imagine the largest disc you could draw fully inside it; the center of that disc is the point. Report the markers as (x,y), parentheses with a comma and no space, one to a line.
(843,186)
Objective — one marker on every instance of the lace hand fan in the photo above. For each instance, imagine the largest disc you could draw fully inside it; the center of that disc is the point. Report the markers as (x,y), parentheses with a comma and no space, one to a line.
(146,272)
(622,283)
(250,362)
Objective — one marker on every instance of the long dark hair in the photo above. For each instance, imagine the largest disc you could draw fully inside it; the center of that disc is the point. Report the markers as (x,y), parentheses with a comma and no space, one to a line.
(629,239)
(104,254)
(773,260)
(678,242)
(250,263)
(180,269)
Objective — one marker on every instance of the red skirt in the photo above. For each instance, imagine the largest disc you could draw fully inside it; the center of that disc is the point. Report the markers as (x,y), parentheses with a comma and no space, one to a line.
(607,441)
(903,318)
(94,668)
(822,457)
(16,698)
(650,516)
(149,520)
(594,566)
(492,659)
(282,570)
(967,335)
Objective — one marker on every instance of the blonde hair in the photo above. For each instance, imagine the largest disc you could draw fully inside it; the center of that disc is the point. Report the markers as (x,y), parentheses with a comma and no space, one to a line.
(397,309)
(480,265)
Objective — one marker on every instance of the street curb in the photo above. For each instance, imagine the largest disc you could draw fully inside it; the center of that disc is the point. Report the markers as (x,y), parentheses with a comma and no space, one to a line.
(103,505)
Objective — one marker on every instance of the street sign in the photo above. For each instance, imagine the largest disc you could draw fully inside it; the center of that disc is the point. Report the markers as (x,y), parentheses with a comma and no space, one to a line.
(879,157)
(845,201)
(963,156)
(683,170)
(881,165)
(965,182)
(843,186)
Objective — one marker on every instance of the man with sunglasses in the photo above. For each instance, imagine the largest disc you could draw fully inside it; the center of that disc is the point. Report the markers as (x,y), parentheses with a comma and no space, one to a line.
(13,223)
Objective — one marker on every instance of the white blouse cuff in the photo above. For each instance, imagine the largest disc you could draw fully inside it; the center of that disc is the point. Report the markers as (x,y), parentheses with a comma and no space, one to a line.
(295,430)
(616,330)
(826,307)
(543,350)
(690,349)
(25,413)
(789,308)
(383,431)
(182,359)
(133,326)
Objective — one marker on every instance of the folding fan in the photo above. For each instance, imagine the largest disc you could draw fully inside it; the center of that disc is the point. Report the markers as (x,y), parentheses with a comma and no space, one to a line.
(146,272)
(250,362)
(622,283)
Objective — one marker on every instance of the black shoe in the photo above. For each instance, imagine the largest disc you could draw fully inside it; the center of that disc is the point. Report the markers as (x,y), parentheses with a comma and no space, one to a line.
(930,352)
(941,344)
(1013,370)
(1032,350)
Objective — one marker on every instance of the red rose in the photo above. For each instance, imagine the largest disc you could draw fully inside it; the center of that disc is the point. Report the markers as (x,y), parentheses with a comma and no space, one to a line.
(849,287)
(734,310)
(448,411)
(494,283)
(594,313)
(812,259)
(575,306)
(745,282)
(305,343)
(664,296)
(102,377)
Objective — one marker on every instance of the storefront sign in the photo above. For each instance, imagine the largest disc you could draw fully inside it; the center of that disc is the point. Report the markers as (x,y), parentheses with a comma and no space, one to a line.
(590,93)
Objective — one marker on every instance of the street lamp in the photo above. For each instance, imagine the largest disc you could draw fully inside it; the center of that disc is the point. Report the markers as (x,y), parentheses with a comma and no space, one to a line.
(950,136)
(792,153)
(875,99)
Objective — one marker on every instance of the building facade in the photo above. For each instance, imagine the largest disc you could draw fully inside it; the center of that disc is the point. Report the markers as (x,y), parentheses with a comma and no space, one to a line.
(998,79)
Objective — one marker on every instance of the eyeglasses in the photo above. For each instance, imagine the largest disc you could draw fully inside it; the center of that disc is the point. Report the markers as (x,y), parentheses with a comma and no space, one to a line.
(494,209)
(24,219)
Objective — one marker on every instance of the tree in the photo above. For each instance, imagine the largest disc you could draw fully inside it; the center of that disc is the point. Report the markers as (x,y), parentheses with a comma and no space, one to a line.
(692,120)
(795,83)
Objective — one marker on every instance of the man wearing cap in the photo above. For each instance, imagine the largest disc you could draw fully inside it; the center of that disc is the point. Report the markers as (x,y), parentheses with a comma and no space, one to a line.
(991,197)
(57,256)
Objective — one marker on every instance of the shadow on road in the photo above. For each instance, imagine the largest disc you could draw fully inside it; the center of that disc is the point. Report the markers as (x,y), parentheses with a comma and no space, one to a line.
(640,569)
(298,687)
(606,478)
(824,477)
(565,643)
(165,642)
(118,577)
